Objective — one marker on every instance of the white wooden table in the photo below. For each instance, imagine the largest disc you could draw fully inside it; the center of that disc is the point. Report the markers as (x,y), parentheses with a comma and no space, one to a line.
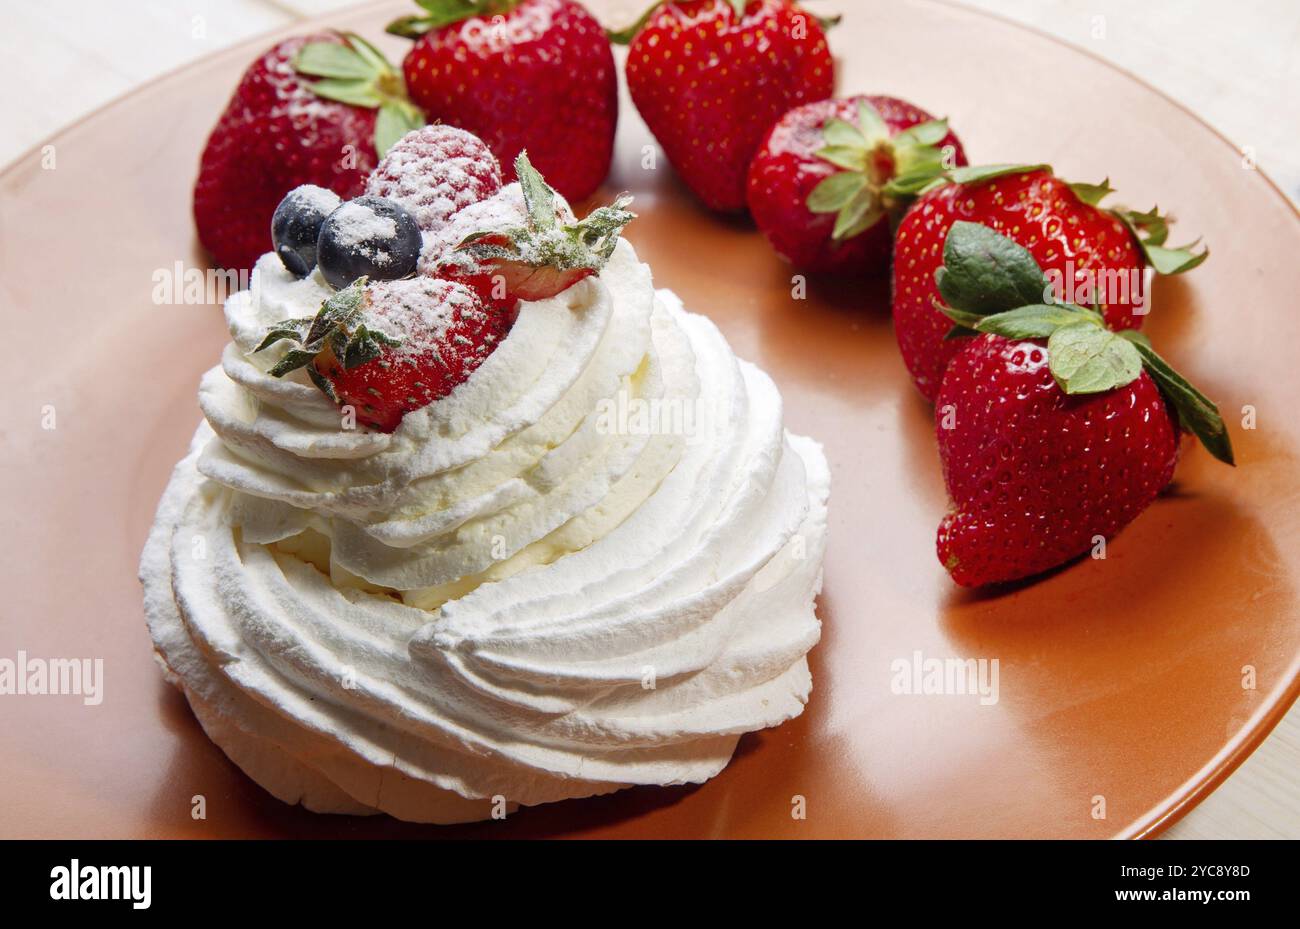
(1232,63)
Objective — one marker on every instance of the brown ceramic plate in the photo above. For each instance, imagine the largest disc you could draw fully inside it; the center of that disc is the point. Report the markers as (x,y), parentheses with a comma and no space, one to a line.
(1119,679)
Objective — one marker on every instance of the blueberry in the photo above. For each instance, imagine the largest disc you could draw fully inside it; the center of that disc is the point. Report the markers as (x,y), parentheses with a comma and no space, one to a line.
(370,236)
(296,226)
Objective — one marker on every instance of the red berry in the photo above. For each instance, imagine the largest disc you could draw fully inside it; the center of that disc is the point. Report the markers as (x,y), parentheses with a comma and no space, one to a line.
(709,84)
(787,169)
(539,76)
(1038,211)
(434,172)
(524,244)
(445,333)
(1036,476)
(275,135)
(508,280)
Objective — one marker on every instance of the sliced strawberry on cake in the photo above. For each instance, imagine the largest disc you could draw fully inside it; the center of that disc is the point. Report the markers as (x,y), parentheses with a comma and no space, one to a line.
(537,251)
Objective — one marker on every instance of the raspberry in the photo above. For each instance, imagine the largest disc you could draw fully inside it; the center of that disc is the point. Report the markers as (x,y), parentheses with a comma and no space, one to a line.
(434,172)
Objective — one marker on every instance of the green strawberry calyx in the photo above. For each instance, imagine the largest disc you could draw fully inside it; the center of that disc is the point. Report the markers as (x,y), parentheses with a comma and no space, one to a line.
(545,240)
(439,13)
(337,328)
(990,284)
(879,173)
(1150,229)
(627,34)
(358,74)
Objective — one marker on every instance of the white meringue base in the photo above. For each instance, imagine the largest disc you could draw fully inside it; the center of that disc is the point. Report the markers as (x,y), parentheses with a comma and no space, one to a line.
(298,766)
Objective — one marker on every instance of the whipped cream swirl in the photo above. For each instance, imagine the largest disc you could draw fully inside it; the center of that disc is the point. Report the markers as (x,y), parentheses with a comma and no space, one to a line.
(592,565)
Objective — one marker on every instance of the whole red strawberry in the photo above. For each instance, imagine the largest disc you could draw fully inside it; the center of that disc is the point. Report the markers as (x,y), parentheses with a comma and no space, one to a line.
(1054,431)
(387,348)
(535,74)
(709,78)
(1035,475)
(830,174)
(1094,254)
(282,129)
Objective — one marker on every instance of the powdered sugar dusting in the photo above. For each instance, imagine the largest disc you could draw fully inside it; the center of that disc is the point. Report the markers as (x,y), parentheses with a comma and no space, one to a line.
(355,224)
(423,313)
(318,199)
(503,210)
(434,172)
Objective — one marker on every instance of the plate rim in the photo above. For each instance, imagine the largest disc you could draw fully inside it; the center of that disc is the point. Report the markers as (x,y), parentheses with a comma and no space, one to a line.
(1248,739)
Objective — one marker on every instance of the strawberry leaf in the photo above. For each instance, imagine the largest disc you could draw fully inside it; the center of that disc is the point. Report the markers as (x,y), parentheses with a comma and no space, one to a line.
(323,383)
(337,312)
(839,133)
(439,13)
(336,329)
(835,193)
(360,93)
(368,53)
(394,120)
(1089,359)
(293,360)
(849,157)
(1149,226)
(1037,321)
(328,59)
(865,191)
(357,74)
(871,123)
(599,230)
(984,272)
(910,182)
(914,160)
(977,174)
(1151,230)
(967,323)
(858,215)
(539,197)
(1092,194)
(927,133)
(295,329)
(1196,412)
(1174,260)
(365,345)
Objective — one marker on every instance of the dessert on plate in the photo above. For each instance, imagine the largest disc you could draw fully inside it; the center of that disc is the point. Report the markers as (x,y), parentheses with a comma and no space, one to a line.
(477,517)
